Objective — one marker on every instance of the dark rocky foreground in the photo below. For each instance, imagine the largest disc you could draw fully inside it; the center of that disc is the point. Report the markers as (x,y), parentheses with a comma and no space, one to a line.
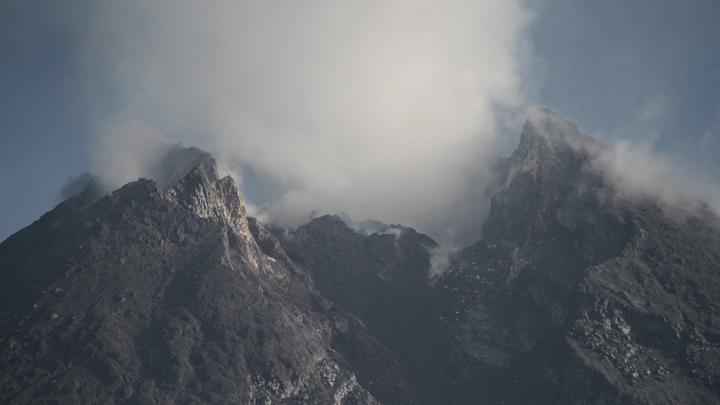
(165,291)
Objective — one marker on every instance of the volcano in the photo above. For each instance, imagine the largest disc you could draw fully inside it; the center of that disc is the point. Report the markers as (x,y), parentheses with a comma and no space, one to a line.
(166,291)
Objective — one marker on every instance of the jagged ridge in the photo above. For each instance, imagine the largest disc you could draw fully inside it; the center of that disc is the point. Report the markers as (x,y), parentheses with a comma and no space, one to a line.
(166,291)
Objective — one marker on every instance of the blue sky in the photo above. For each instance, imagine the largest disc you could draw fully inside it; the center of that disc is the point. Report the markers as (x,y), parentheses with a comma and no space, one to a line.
(646,70)
(635,68)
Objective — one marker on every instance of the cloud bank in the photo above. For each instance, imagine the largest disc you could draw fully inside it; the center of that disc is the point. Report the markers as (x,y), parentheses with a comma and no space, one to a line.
(637,170)
(633,167)
(388,110)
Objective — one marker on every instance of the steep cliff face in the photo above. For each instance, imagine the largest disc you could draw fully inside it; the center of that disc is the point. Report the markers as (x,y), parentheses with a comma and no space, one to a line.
(580,295)
(383,279)
(165,291)
(160,295)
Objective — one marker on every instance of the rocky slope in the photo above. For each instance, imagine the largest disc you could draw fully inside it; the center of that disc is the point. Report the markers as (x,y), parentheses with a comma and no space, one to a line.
(165,291)
(171,295)
(578,294)
(382,279)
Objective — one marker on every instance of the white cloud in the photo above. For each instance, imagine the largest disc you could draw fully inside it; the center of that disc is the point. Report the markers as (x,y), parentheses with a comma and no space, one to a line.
(126,151)
(382,109)
(634,167)
(638,170)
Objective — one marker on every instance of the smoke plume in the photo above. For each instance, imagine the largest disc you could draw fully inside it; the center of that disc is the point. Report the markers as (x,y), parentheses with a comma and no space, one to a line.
(387,110)
(637,170)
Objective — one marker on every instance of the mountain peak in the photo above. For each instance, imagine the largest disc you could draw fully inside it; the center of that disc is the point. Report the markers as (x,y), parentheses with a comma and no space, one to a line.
(547,130)
(547,140)
(165,291)
(208,196)
(551,171)
(179,161)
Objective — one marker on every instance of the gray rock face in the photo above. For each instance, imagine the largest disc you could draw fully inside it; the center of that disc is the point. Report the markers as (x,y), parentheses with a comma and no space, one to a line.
(579,296)
(160,296)
(167,292)
(383,280)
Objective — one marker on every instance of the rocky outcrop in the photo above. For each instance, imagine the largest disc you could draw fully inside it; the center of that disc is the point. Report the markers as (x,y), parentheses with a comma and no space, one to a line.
(383,280)
(163,295)
(579,295)
(165,291)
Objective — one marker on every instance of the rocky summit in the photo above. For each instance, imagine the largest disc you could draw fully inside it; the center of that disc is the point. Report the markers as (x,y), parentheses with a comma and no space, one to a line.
(165,291)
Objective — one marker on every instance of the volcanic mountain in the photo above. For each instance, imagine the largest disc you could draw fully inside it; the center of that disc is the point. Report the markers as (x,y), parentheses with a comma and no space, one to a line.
(166,291)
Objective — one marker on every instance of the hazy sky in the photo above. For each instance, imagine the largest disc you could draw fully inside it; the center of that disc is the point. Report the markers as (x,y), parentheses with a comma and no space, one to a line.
(387,109)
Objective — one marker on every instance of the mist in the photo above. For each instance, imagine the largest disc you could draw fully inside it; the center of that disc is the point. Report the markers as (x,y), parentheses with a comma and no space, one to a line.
(637,170)
(388,110)
(393,111)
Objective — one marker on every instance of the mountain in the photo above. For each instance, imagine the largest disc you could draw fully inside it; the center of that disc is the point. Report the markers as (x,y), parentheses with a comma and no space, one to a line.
(580,295)
(166,291)
(169,295)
